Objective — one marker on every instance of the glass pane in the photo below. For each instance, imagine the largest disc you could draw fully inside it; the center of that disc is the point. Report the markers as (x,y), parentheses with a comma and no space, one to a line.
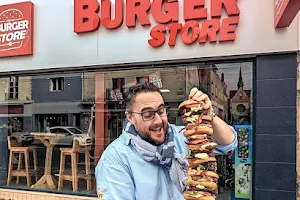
(75,130)
(92,108)
(60,83)
(53,84)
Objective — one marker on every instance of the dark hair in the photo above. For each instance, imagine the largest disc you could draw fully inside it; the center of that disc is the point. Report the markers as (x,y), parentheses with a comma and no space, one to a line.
(132,91)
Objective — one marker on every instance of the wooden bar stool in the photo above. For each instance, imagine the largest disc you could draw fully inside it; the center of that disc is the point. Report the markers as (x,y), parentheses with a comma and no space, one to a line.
(74,175)
(15,148)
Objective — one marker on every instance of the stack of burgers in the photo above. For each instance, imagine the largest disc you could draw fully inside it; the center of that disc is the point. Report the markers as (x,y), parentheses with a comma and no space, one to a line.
(202,176)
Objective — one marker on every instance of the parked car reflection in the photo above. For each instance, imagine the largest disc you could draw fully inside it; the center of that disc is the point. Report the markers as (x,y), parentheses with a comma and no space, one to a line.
(23,137)
(71,132)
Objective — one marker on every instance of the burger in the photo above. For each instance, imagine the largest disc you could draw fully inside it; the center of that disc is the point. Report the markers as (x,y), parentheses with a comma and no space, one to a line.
(192,110)
(202,178)
(198,127)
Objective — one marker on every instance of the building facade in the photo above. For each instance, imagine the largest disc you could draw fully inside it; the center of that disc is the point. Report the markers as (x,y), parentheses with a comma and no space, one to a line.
(66,64)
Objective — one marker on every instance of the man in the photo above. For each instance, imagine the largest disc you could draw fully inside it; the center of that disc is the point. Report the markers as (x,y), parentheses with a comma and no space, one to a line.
(147,161)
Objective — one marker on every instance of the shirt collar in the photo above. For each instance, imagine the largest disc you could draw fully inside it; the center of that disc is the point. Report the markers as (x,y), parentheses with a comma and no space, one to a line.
(125,137)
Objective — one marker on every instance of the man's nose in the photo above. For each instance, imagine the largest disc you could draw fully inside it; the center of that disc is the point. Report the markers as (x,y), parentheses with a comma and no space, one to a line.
(157,118)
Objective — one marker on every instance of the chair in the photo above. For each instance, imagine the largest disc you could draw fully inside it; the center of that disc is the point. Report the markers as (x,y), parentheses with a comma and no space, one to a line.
(74,176)
(15,148)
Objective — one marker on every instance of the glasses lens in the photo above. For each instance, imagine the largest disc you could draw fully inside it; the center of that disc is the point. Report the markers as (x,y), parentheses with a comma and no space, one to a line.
(148,115)
(162,111)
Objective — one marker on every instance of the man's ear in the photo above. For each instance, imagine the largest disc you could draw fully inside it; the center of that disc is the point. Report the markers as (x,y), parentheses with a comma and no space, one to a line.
(129,116)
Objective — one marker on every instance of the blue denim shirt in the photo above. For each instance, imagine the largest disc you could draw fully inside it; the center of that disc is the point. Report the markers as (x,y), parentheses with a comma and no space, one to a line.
(122,174)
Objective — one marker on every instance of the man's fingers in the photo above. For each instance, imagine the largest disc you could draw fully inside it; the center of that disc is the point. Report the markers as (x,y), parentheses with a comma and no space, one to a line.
(203,97)
(193,92)
(206,100)
(197,96)
(207,106)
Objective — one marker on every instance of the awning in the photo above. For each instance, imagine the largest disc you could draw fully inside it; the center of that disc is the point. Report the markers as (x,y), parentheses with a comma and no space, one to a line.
(56,107)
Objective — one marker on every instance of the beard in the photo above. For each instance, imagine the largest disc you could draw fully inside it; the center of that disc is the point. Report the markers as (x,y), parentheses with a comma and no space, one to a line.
(152,141)
(147,137)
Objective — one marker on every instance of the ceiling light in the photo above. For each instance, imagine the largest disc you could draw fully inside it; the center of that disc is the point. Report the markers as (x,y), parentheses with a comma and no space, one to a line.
(164,90)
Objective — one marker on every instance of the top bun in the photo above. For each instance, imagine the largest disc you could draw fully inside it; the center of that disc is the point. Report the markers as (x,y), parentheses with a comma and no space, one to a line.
(189,102)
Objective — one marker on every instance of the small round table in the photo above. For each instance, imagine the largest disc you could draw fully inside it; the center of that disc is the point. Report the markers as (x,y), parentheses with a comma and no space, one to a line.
(49,140)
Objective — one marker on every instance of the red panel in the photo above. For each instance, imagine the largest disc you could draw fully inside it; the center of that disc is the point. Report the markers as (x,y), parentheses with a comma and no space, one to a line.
(285,12)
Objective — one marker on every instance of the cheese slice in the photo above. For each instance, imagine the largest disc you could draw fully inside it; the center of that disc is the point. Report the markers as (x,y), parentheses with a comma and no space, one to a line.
(202,180)
(196,195)
(200,187)
(192,118)
(193,110)
(196,109)
(205,145)
(188,113)
(201,156)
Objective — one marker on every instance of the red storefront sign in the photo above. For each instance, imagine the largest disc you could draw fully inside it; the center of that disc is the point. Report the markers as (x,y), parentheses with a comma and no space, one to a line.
(11,109)
(211,28)
(285,12)
(16,29)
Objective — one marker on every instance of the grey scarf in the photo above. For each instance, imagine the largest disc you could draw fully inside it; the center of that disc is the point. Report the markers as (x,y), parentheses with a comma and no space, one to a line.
(163,155)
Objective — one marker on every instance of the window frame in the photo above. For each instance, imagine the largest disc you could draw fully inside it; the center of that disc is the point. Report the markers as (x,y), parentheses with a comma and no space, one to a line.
(56,82)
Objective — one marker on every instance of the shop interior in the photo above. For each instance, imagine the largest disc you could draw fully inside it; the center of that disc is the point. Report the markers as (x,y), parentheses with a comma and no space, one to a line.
(52,137)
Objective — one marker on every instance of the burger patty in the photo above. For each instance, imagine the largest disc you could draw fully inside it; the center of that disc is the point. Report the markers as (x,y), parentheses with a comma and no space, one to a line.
(208,166)
(204,178)
(192,152)
(202,186)
(204,140)
(205,147)
(191,126)
(189,112)
(193,188)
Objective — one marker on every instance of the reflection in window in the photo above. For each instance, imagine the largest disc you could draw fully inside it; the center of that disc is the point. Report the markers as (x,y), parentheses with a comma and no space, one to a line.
(56,84)
(241,108)
(72,111)
(13,87)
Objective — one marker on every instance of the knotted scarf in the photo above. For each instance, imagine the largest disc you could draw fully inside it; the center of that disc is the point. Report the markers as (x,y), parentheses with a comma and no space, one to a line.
(163,155)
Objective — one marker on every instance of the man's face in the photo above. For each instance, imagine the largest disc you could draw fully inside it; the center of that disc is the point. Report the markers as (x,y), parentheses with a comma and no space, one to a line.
(154,130)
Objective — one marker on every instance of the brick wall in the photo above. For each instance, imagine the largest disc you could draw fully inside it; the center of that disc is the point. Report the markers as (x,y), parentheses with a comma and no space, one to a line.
(275,127)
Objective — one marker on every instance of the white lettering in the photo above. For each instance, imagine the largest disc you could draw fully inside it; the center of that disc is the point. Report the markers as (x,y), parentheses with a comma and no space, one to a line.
(22,34)
(8,26)
(14,26)
(278,6)
(25,24)
(12,36)
(9,37)
(17,36)
(3,37)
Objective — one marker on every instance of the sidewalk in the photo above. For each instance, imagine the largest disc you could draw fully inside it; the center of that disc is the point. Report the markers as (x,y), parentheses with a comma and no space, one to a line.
(28,195)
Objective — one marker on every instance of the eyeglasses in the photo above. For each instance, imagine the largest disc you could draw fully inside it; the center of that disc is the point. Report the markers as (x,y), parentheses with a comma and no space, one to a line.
(149,114)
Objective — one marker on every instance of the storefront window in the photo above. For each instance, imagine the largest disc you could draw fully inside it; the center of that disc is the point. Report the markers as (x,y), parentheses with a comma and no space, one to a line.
(48,112)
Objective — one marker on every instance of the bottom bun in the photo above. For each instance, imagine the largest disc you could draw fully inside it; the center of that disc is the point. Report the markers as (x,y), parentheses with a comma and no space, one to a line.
(202,196)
